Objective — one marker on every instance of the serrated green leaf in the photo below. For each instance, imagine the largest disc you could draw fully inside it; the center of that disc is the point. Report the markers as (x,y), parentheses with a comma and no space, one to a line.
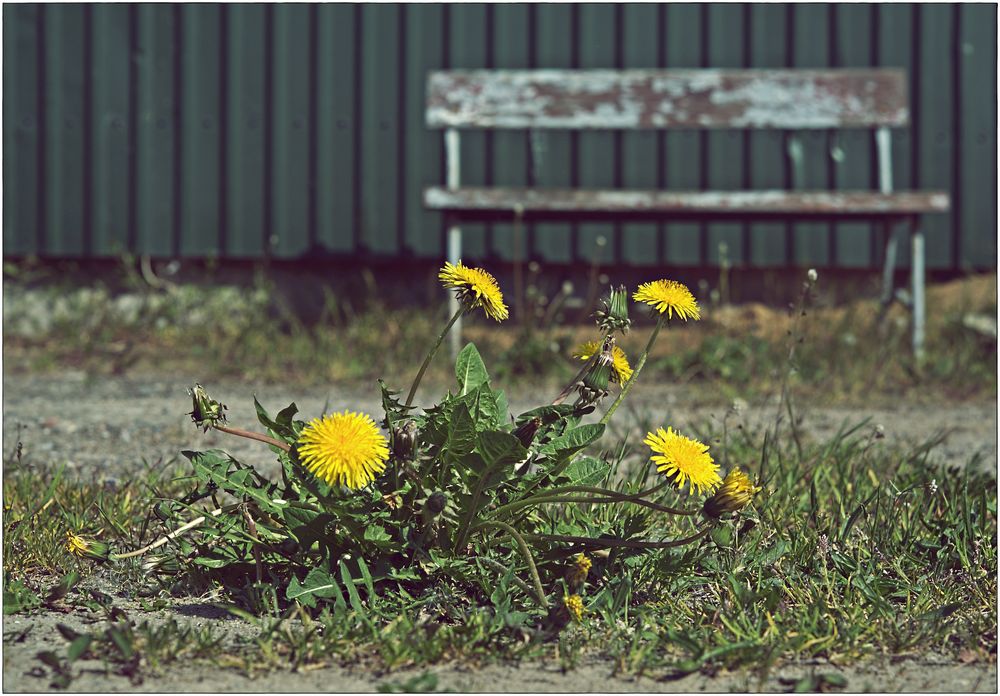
(318,583)
(461,433)
(548,414)
(572,442)
(233,477)
(306,524)
(470,369)
(499,449)
(586,471)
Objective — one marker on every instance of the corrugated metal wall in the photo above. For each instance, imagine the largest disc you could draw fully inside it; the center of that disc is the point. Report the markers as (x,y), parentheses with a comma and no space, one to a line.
(240,131)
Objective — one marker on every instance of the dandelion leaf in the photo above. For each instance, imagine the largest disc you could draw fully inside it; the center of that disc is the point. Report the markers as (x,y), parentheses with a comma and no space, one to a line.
(470,370)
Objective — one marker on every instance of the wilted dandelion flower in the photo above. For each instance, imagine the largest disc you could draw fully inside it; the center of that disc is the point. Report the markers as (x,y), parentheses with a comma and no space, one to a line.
(86,548)
(475,287)
(736,492)
(682,459)
(670,297)
(344,449)
(576,574)
(620,369)
(574,605)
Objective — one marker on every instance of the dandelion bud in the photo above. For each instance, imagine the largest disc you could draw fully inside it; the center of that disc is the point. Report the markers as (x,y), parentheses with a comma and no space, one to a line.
(595,382)
(207,411)
(436,502)
(733,495)
(576,574)
(525,432)
(613,314)
(403,438)
(86,548)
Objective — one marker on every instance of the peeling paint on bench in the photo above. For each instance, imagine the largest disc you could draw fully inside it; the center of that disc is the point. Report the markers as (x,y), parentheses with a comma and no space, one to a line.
(647,99)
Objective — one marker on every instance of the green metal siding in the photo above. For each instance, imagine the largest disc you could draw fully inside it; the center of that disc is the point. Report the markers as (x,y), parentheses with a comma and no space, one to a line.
(287,131)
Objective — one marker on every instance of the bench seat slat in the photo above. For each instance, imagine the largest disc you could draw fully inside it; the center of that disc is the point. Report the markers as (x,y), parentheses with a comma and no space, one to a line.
(622,201)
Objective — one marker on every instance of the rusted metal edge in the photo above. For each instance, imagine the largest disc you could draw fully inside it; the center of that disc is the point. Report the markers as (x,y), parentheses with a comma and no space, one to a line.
(652,99)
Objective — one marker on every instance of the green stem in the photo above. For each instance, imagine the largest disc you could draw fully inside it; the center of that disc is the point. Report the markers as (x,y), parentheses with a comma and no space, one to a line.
(627,543)
(427,360)
(525,551)
(635,372)
(643,503)
(610,497)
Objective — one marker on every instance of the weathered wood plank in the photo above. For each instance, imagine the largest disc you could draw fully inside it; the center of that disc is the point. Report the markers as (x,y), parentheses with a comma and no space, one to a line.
(865,203)
(643,99)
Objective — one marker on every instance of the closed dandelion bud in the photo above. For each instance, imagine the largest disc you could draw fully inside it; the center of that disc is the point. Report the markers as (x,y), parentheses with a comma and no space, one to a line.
(525,433)
(436,502)
(733,495)
(86,548)
(613,314)
(207,411)
(403,438)
(576,574)
(595,382)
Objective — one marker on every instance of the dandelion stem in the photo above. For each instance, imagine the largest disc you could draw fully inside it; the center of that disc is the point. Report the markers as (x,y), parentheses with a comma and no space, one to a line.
(196,522)
(556,495)
(635,372)
(627,543)
(427,360)
(525,551)
(251,435)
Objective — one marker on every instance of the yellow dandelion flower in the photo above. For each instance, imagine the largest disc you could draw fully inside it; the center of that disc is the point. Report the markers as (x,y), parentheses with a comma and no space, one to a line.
(76,545)
(475,287)
(736,492)
(86,548)
(620,369)
(344,449)
(682,459)
(574,605)
(576,574)
(669,296)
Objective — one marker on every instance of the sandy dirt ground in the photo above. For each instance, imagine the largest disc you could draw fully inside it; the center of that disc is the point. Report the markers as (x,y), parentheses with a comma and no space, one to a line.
(114,428)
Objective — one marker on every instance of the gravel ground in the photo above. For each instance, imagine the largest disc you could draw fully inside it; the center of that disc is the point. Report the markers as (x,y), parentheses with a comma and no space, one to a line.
(114,427)
(110,426)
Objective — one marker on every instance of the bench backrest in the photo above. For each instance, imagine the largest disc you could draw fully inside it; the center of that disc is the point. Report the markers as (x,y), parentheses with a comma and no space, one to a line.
(654,99)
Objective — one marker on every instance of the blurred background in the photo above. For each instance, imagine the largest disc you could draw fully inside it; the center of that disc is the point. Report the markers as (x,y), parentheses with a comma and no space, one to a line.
(278,153)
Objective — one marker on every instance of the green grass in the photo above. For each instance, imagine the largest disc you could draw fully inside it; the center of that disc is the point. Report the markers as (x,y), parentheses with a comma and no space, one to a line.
(855,549)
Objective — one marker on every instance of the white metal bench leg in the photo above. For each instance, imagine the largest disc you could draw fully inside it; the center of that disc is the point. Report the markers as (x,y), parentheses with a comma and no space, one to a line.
(917,282)
(454,256)
(889,270)
(453,162)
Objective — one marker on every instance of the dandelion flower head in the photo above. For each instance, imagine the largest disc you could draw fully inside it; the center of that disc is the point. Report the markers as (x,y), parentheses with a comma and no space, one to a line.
(736,492)
(670,297)
(344,449)
(683,460)
(574,605)
(475,287)
(620,369)
(76,545)
(576,574)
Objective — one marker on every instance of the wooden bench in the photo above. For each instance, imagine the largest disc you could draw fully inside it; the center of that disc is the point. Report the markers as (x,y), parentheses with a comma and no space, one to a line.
(681,99)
